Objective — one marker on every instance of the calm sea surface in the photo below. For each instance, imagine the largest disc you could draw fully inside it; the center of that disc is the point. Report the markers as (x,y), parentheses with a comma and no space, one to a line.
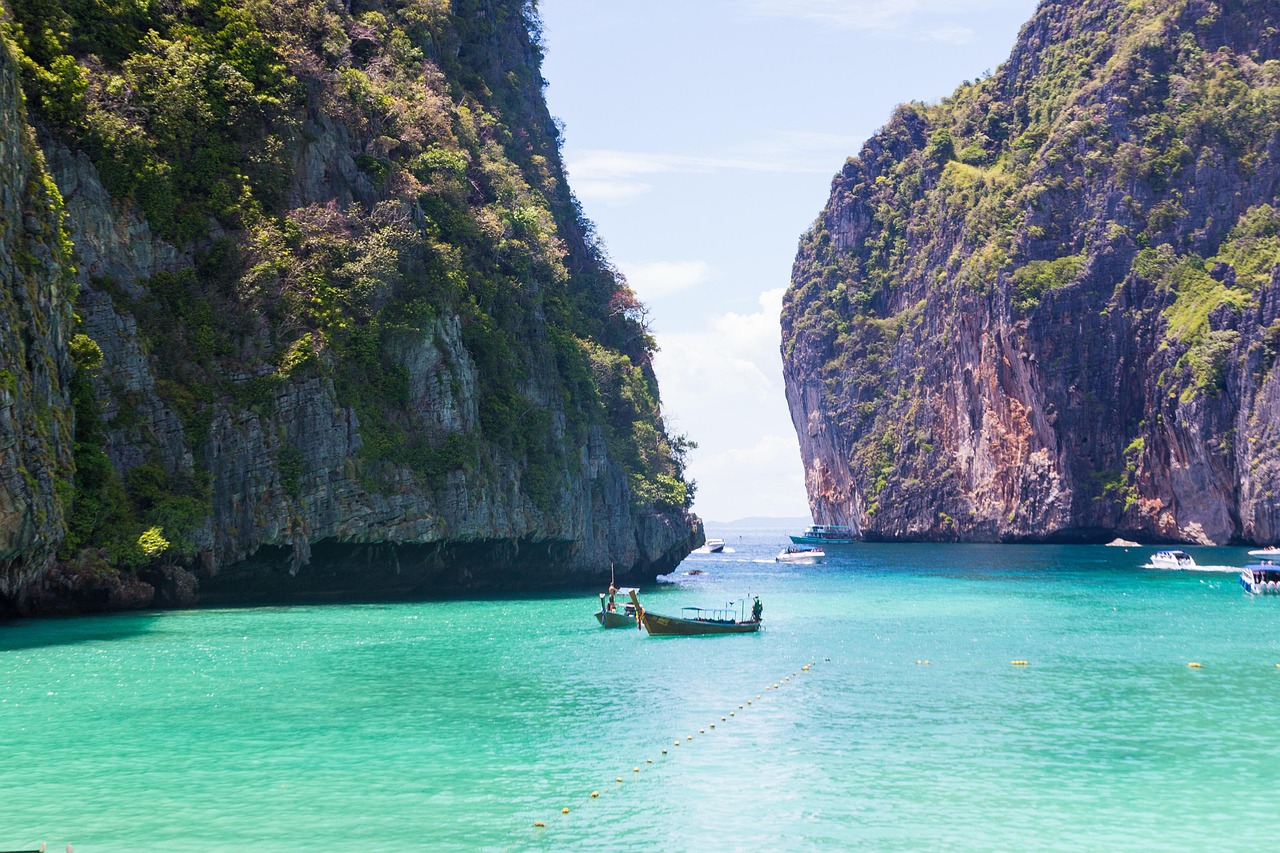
(458,725)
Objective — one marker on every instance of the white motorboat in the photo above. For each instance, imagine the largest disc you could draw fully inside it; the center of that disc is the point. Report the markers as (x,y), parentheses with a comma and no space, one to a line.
(1273,552)
(715,546)
(800,554)
(1172,560)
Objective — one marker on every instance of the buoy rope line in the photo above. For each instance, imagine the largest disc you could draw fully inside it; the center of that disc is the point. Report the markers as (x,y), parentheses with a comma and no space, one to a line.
(728,716)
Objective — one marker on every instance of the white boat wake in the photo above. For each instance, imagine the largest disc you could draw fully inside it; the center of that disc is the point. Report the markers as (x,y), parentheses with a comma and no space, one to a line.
(1218,569)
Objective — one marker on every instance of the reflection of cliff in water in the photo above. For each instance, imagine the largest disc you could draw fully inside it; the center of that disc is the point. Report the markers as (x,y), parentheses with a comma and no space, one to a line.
(84,630)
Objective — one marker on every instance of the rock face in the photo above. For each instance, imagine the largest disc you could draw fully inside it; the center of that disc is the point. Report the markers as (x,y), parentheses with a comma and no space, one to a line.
(35,292)
(375,351)
(1048,308)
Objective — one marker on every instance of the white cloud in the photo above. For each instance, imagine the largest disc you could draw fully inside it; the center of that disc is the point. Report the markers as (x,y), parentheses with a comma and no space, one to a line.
(917,20)
(764,478)
(663,278)
(735,355)
(615,176)
(722,385)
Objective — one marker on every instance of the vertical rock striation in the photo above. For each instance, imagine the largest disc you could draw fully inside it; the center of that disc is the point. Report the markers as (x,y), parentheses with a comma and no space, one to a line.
(35,292)
(1045,308)
(356,338)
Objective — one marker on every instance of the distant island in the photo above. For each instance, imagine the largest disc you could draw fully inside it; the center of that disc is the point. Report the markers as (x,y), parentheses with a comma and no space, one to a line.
(796,523)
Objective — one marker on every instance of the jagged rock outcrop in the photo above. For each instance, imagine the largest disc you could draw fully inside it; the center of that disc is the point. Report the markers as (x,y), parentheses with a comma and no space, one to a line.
(1046,308)
(355,337)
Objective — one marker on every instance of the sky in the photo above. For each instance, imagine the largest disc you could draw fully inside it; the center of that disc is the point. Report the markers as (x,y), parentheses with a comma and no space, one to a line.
(701,137)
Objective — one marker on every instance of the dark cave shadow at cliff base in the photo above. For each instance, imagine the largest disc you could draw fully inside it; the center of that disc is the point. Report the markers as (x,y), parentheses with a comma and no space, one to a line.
(346,574)
(34,632)
(218,599)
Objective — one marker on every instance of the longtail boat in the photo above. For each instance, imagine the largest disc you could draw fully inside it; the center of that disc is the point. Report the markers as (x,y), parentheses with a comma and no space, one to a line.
(694,621)
(610,615)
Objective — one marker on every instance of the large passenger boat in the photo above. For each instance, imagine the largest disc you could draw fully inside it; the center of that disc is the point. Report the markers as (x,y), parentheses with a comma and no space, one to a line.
(825,534)
(1260,578)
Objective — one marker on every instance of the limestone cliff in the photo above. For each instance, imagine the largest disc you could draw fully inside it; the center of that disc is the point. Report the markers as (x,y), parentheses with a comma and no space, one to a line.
(1048,307)
(355,336)
(35,366)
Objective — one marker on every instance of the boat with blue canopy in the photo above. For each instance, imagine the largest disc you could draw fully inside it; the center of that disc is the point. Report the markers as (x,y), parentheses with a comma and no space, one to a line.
(825,534)
(1261,578)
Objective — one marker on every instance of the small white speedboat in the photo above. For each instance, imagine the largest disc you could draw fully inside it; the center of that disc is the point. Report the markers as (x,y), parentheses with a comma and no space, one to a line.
(715,546)
(1273,552)
(1172,560)
(800,554)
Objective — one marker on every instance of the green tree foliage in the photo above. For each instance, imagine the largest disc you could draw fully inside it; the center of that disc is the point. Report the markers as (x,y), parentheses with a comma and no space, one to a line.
(447,200)
(1106,164)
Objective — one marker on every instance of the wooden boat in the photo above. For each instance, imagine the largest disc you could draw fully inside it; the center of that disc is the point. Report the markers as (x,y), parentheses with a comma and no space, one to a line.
(694,621)
(610,615)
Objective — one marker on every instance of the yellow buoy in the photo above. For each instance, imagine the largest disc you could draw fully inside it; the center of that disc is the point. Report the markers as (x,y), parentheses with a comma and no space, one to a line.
(722,719)
(564,811)
(713,725)
(1018,662)
(619,779)
(690,737)
(635,769)
(648,761)
(702,731)
(731,713)
(664,752)
(595,794)
(1194,665)
(806,667)
(538,823)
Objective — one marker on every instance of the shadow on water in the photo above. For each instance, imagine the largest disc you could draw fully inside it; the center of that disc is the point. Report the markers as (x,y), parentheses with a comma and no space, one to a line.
(74,630)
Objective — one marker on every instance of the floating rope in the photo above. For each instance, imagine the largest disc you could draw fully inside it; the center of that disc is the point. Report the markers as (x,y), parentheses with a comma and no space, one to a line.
(777,685)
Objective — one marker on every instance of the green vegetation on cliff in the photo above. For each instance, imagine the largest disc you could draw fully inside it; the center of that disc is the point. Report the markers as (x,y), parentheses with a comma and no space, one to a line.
(1100,210)
(346,181)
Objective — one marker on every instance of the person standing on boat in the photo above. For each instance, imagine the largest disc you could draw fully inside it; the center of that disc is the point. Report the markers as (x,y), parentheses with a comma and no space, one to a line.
(757,610)
(613,607)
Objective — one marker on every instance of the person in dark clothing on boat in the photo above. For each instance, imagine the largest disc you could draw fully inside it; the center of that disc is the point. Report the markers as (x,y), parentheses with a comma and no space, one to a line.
(613,607)
(757,610)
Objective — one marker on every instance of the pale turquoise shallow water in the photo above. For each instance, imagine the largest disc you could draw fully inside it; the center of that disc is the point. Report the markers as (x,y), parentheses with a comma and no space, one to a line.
(458,724)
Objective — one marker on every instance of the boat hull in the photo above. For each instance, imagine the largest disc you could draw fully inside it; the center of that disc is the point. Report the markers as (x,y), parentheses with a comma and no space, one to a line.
(1261,579)
(615,620)
(658,625)
(817,540)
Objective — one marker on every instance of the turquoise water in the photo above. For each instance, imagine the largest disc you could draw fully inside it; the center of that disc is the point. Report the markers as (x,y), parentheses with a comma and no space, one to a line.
(459,724)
